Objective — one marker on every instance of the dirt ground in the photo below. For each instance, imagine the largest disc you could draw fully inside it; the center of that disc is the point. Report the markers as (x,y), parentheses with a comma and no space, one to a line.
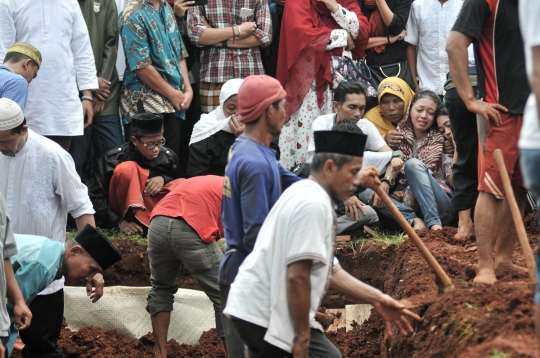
(473,321)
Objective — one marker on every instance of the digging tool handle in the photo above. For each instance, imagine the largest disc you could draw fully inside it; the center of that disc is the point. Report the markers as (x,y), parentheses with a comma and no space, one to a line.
(447,283)
(516,215)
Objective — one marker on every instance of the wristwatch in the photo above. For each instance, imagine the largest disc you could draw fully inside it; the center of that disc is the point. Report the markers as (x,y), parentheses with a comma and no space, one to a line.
(389,180)
(397,155)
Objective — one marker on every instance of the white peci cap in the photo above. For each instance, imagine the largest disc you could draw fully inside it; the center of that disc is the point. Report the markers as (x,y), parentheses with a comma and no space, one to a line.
(11,115)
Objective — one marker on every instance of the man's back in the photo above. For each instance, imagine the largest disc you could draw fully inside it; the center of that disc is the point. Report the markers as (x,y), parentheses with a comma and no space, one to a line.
(13,86)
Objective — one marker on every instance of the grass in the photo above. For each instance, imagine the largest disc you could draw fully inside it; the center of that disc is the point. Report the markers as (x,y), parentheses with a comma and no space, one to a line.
(497,354)
(113,234)
(388,238)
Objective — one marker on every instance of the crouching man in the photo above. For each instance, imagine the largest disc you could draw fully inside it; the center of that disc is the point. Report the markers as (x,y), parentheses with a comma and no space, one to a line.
(184,228)
(293,263)
(40,261)
(132,179)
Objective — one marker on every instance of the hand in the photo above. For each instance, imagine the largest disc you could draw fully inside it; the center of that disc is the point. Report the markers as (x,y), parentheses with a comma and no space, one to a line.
(350,207)
(130,227)
(375,199)
(301,347)
(448,147)
(154,185)
(350,42)
(236,126)
(369,177)
(399,37)
(188,96)
(247,29)
(98,105)
(88,112)
(393,138)
(181,7)
(177,98)
(393,311)
(331,5)
(23,315)
(489,111)
(397,164)
(104,89)
(398,195)
(94,287)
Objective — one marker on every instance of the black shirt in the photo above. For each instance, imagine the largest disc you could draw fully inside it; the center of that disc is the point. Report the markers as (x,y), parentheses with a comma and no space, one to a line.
(394,52)
(499,53)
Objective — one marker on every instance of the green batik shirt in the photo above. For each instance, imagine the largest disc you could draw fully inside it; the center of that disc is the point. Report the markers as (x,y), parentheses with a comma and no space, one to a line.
(150,37)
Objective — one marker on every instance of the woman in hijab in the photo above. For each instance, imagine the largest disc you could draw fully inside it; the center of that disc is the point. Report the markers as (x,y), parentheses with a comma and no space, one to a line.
(394,97)
(312,32)
(214,134)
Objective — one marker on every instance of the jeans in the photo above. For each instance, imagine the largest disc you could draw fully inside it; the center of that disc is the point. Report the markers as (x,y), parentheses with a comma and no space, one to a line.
(345,225)
(465,133)
(435,204)
(170,243)
(319,345)
(105,133)
(530,162)
(406,211)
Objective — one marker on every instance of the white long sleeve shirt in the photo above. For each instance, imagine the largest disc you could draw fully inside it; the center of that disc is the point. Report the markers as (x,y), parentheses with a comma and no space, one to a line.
(58,30)
(41,186)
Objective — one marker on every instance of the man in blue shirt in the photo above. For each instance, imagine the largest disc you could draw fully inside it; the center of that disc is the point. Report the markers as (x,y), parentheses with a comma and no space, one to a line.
(40,261)
(254,180)
(20,67)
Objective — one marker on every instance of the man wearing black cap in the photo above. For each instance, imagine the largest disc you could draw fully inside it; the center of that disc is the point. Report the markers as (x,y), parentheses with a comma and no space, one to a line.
(293,259)
(132,179)
(40,260)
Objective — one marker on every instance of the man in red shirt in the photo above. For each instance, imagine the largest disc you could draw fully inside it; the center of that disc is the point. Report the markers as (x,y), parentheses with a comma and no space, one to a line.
(184,228)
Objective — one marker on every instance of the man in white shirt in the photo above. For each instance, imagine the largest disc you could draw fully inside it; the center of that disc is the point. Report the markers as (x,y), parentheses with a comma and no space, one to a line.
(58,30)
(286,275)
(41,186)
(428,27)
(529,142)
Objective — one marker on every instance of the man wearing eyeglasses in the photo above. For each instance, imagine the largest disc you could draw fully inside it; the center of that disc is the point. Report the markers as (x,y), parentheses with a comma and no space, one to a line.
(130,180)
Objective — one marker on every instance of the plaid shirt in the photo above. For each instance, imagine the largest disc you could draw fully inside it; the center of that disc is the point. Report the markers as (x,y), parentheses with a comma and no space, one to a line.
(218,64)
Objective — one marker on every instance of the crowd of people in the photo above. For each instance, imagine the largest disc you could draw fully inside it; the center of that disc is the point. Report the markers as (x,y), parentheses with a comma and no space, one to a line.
(188,121)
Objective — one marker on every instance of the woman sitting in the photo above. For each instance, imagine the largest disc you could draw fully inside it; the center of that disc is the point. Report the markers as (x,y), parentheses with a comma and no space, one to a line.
(214,134)
(394,97)
(424,183)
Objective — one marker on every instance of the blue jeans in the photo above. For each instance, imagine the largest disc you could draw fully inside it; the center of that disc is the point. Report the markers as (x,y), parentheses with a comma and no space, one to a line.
(407,212)
(434,203)
(530,162)
(105,133)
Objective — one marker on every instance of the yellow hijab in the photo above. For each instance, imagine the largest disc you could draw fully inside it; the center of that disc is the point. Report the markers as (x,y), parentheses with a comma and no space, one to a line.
(397,87)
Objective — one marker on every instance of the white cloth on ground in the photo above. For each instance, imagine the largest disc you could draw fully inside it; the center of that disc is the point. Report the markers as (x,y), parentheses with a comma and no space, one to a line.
(41,186)
(59,32)
(283,240)
(216,121)
(529,10)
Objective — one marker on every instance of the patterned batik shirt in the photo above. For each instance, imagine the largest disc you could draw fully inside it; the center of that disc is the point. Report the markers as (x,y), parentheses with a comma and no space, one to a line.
(150,37)
(219,64)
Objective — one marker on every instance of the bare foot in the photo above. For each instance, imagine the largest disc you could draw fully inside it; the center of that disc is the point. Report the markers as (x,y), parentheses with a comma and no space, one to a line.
(419,225)
(465,227)
(509,266)
(435,227)
(485,275)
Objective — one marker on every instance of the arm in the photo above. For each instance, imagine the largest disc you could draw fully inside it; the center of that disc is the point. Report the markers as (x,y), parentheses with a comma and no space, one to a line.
(248,42)
(535,80)
(287,178)
(188,91)
(299,300)
(401,10)
(412,39)
(110,49)
(23,316)
(85,219)
(263,32)
(386,14)
(410,51)
(83,57)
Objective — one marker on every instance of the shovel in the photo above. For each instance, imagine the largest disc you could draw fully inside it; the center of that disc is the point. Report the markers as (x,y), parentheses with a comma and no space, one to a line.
(443,277)
(516,215)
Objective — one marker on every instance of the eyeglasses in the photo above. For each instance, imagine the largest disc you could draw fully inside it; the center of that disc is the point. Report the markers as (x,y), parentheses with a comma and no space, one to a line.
(152,145)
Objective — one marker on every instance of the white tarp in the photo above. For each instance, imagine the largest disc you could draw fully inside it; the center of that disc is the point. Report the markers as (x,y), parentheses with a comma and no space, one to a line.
(123,309)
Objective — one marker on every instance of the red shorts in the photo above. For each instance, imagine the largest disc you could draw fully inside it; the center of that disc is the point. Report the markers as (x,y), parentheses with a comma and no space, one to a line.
(506,139)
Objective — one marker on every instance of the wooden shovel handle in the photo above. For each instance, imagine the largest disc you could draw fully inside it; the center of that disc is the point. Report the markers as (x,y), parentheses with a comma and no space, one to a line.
(443,277)
(516,215)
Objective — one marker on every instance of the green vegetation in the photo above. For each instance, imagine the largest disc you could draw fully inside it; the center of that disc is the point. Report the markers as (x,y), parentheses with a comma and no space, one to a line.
(113,234)
(384,238)
(497,354)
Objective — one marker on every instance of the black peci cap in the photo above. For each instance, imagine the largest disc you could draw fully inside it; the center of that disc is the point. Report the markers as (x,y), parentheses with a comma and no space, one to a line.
(98,246)
(146,124)
(340,143)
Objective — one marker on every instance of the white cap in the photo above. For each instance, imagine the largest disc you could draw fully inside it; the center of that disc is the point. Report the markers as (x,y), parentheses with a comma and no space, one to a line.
(11,115)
